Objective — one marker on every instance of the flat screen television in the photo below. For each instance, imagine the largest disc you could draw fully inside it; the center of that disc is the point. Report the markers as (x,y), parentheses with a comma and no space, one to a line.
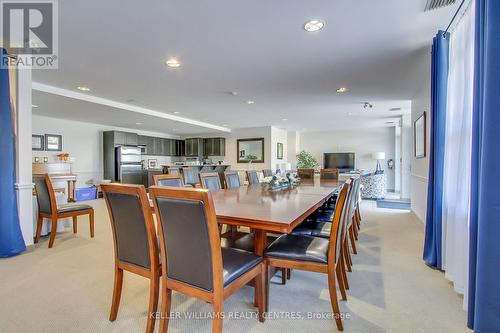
(342,161)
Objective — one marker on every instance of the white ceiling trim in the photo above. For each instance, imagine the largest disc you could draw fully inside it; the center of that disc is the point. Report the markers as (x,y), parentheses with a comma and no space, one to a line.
(103,101)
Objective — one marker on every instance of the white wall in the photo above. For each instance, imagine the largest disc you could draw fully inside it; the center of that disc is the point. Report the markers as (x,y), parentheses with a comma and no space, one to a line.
(420,167)
(281,136)
(293,147)
(363,142)
(83,141)
(406,156)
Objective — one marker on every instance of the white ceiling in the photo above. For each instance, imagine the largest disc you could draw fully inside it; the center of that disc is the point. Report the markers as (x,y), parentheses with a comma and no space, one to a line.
(256,48)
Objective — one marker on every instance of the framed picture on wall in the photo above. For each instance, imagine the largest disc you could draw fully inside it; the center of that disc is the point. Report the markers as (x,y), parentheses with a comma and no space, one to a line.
(152,163)
(419,130)
(37,142)
(280,151)
(53,142)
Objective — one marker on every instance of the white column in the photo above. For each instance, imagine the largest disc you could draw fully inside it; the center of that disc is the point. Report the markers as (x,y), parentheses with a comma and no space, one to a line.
(406,156)
(24,183)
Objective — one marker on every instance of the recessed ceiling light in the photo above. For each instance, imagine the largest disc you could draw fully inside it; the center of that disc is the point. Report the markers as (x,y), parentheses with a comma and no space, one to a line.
(176,112)
(138,123)
(284,119)
(34,106)
(341,90)
(234,93)
(172,62)
(350,113)
(82,88)
(250,102)
(314,25)
(175,129)
(225,125)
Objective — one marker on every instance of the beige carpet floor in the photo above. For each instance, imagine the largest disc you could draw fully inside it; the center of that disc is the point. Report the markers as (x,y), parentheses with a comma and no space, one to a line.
(68,288)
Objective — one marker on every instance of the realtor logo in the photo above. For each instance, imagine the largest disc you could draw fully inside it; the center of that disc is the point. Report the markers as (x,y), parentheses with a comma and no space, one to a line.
(29,33)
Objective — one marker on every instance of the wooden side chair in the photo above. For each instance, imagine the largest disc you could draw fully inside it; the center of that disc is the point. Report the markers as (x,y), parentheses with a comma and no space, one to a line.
(232,179)
(267,172)
(252,177)
(205,271)
(330,174)
(47,208)
(174,180)
(313,254)
(210,181)
(305,173)
(135,242)
(190,176)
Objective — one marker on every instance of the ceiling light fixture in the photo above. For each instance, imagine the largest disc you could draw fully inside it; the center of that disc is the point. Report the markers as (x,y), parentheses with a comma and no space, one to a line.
(176,112)
(234,93)
(34,106)
(175,129)
(173,63)
(314,25)
(284,119)
(367,105)
(341,90)
(225,125)
(82,88)
(250,102)
(138,123)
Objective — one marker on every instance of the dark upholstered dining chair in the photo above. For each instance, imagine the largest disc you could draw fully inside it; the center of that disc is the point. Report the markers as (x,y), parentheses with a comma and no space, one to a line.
(47,208)
(210,181)
(305,173)
(331,173)
(267,172)
(232,179)
(252,177)
(135,242)
(174,180)
(190,176)
(205,271)
(314,254)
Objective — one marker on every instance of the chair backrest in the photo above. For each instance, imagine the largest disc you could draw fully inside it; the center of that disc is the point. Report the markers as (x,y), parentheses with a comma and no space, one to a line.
(232,179)
(305,173)
(267,172)
(174,171)
(45,196)
(210,181)
(132,224)
(186,217)
(337,230)
(174,180)
(190,176)
(331,173)
(207,168)
(252,177)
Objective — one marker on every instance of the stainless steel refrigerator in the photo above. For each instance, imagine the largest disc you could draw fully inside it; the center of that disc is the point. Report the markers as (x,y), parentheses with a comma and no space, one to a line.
(128,165)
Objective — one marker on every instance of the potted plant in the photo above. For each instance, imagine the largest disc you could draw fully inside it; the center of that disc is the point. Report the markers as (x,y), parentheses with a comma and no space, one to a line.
(305,160)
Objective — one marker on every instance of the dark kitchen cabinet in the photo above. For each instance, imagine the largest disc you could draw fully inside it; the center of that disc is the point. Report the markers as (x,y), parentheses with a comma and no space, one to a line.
(194,147)
(125,138)
(214,146)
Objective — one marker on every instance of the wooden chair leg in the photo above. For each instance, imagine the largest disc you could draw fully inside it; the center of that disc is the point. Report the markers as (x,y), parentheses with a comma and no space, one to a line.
(39,225)
(355,230)
(266,287)
(117,293)
(154,290)
(91,222)
(260,294)
(283,275)
(347,257)
(75,225)
(288,273)
(53,232)
(166,302)
(342,270)
(333,298)
(218,308)
(340,279)
(351,236)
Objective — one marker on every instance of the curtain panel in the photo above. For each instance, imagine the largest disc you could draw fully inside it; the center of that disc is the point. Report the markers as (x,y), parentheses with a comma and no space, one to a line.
(11,239)
(484,268)
(439,80)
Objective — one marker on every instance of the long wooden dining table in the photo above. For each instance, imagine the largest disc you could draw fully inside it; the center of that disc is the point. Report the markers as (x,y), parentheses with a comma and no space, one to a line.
(265,210)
